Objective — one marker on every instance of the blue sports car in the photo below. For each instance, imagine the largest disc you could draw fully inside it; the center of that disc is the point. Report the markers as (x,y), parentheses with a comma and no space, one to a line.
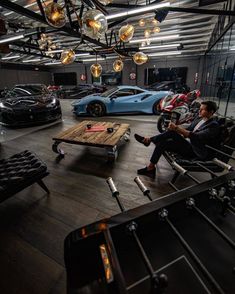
(121,99)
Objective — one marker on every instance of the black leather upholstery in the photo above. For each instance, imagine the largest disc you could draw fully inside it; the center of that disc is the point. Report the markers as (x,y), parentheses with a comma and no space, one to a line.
(19,171)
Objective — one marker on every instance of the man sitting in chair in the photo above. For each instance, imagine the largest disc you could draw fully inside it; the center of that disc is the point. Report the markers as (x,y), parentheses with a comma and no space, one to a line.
(190,143)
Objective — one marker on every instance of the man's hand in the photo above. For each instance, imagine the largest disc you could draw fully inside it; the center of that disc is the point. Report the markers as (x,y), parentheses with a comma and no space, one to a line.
(179,130)
(172,126)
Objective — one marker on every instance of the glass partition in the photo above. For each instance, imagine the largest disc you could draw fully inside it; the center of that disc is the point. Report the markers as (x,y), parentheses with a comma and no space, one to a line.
(218,79)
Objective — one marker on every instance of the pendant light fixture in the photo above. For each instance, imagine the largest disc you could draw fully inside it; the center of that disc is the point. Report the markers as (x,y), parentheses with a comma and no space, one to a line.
(94,23)
(118,65)
(141,22)
(55,15)
(140,58)
(126,33)
(67,56)
(156,30)
(96,70)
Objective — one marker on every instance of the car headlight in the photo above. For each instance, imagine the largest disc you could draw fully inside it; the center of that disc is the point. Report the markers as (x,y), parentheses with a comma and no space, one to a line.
(53,103)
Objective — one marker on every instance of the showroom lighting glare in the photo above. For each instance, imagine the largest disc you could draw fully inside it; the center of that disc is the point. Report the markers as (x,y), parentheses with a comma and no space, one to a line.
(135,11)
(11,38)
(162,38)
(10,57)
(159,46)
(32,60)
(165,53)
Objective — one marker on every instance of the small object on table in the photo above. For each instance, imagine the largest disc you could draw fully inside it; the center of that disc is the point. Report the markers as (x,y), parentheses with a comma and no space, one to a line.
(109,130)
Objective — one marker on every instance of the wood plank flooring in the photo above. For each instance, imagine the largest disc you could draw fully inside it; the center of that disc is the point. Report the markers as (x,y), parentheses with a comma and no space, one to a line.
(33,225)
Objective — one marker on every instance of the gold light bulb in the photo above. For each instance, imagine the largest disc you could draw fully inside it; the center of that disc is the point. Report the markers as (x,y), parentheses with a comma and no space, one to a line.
(118,65)
(126,33)
(67,56)
(55,15)
(96,70)
(140,58)
(147,33)
(94,23)
(156,30)
(141,22)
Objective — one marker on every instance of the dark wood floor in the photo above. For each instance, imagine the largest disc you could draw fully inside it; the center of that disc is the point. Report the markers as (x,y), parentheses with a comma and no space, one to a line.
(33,225)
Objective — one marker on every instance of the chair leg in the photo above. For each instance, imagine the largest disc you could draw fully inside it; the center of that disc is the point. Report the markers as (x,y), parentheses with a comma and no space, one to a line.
(175,177)
(43,186)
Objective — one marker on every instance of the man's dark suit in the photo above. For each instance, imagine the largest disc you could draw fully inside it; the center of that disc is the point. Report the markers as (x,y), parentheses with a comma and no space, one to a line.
(207,133)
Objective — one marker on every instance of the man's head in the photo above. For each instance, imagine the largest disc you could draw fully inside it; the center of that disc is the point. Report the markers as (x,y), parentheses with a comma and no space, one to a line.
(207,109)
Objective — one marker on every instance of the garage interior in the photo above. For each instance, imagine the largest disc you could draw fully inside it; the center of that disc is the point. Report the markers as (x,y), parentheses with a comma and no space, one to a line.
(191,42)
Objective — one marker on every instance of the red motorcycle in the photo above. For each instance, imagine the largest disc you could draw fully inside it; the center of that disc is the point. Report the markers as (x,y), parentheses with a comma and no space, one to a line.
(178,108)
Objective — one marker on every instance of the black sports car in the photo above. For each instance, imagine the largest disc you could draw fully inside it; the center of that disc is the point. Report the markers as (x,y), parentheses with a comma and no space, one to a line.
(26,105)
(173,86)
(81,91)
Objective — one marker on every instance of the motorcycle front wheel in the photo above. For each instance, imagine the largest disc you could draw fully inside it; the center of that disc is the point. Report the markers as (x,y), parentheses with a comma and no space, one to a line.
(161,124)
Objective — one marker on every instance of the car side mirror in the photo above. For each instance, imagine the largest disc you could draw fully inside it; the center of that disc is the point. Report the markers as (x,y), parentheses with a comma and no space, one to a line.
(113,97)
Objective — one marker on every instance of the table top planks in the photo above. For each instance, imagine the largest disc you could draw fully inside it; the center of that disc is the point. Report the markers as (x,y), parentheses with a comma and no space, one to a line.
(78,135)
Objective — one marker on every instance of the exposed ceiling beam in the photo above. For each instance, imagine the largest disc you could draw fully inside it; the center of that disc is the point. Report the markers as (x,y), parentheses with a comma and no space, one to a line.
(201,11)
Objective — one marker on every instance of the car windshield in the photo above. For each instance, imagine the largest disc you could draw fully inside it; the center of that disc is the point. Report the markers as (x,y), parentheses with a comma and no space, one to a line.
(33,89)
(109,92)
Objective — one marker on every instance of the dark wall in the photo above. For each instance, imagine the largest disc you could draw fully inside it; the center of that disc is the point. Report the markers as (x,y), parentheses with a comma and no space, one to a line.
(194,65)
(10,77)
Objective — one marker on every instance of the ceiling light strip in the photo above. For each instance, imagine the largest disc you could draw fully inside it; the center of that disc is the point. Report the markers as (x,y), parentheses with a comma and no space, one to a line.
(159,46)
(11,38)
(170,37)
(10,57)
(165,53)
(52,63)
(135,11)
(32,60)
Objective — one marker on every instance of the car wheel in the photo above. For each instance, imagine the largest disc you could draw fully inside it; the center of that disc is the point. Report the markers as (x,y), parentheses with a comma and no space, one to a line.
(155,107)
(96,109)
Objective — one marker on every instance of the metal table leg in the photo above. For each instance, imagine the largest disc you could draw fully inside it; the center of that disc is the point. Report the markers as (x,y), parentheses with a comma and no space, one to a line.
(112,153)
(56,149)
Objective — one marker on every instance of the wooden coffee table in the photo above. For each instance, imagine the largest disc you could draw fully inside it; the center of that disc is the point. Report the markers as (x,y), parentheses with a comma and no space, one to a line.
(106,135)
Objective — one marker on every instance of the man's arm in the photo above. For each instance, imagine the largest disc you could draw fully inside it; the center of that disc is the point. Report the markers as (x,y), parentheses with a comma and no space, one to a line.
(178,129)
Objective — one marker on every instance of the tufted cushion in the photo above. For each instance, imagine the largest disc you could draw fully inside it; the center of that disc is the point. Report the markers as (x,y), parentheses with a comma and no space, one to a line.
(19,171)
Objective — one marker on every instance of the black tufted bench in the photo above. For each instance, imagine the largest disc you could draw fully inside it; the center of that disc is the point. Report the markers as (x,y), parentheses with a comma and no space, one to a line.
(227,146)
(20,171)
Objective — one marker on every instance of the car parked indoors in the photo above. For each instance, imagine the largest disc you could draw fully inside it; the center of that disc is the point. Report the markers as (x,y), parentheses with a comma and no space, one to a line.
(120,99)
(80,91)
(173,86)
(26,105)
